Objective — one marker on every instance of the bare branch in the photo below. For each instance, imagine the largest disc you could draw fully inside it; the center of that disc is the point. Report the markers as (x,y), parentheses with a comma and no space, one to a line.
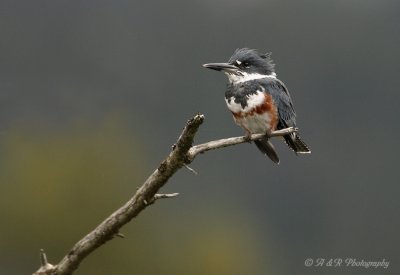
(182,154)
(143,198)
(220,143)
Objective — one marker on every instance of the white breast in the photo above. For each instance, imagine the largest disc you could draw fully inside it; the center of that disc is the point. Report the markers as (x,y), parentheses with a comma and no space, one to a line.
(247,118)
(253,101)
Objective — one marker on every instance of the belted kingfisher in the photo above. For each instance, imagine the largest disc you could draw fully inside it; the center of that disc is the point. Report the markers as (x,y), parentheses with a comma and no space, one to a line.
(260,103)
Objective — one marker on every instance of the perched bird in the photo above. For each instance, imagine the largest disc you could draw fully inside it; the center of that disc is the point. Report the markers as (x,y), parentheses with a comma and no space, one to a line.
(260,103)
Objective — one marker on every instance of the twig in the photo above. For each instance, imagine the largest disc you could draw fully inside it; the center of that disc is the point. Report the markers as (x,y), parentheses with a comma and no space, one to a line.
(183,153)
(165,196)
(191,169)
(45,268)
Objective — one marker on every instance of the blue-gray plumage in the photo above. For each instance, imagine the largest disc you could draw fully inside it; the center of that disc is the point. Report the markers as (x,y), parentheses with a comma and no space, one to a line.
(259,102)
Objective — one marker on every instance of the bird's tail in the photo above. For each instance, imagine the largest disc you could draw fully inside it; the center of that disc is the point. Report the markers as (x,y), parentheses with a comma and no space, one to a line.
(266,147)
(296,144)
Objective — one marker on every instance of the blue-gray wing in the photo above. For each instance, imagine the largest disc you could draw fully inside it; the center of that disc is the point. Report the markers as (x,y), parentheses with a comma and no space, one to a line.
(287,115)
(281,97)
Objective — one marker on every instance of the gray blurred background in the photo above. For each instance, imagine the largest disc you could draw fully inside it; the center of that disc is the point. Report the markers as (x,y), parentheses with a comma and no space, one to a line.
(94,93)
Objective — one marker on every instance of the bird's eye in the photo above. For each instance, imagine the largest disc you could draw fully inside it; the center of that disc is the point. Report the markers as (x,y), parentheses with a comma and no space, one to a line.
(242,64)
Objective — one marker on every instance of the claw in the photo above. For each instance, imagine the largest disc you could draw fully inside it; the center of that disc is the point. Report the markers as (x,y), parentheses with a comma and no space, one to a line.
(247,137)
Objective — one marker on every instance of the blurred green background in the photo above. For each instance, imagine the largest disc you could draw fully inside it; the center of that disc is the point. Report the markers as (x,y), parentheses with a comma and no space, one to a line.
(94,93)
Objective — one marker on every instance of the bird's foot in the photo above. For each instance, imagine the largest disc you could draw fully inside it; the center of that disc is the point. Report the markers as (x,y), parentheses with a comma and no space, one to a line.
(247,137)
(268,133)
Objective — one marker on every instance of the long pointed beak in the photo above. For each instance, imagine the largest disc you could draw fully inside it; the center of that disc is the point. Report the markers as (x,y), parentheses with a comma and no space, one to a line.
(226,67)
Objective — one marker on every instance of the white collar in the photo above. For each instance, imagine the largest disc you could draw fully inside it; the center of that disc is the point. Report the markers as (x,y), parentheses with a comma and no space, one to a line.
(243,77)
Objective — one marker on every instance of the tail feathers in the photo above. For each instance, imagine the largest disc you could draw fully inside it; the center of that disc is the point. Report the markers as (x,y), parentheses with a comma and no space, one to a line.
(266,147)
(296,144)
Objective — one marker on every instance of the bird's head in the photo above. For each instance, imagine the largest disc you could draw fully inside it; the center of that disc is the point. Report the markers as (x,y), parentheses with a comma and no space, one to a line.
(245,64)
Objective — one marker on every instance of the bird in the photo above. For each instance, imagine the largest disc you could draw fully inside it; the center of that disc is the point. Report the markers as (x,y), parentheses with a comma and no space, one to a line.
(259,102)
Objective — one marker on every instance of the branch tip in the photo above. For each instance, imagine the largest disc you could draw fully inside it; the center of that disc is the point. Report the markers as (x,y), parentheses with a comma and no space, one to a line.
(43,258)
(45,267)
